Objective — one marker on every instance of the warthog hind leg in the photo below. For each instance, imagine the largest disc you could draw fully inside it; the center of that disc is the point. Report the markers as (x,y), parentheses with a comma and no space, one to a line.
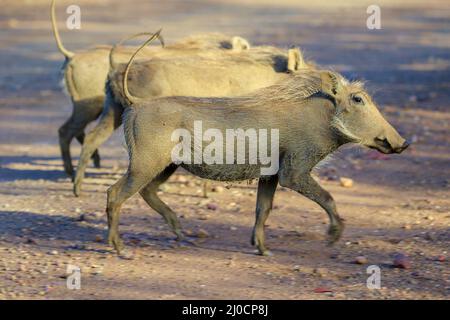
(266,192)
(152,199)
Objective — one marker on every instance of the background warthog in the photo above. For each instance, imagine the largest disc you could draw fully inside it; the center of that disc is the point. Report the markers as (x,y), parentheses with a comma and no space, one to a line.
(205,73)
(315,112)
(85,74)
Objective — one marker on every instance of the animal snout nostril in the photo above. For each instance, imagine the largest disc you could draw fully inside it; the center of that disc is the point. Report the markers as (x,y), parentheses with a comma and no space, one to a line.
(403,147)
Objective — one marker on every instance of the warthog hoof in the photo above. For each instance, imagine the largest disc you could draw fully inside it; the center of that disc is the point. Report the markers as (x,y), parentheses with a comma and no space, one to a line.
(265,253)
(262,250)
(335,232)
(186,243)
(115,241)
(76,189)
(180,235)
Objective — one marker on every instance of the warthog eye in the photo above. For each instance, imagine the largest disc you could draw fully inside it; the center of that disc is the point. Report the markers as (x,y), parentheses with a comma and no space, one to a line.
(357,99)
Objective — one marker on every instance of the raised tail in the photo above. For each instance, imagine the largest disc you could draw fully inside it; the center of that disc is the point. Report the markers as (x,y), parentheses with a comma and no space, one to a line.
(112,63)
(126,92)
(64,51)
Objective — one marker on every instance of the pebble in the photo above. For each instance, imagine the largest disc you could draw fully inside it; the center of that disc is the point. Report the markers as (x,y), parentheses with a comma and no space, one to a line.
(53,252)
(218,189)
(30,241)
(202,233)
(361,260)
(401,261)
(211,206)
(322,272)
(346,182)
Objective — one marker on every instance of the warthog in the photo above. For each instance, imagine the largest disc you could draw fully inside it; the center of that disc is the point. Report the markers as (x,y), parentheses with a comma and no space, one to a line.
(314,112)
(207,73)
(85,74)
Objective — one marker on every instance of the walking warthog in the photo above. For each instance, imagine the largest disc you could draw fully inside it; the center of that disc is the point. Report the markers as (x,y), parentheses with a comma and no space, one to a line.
(85,74)
(203,74)
(314,112)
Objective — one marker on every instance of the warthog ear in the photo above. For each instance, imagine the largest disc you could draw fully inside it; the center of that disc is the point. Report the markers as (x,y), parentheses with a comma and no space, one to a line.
(239,44)
(330,83)
(295,59)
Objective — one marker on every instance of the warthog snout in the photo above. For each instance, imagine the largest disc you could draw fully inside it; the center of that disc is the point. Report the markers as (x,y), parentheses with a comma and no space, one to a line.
(384,145)
(390,141)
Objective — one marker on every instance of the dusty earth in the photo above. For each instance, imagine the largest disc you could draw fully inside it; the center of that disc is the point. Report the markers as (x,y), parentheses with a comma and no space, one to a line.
(397,204)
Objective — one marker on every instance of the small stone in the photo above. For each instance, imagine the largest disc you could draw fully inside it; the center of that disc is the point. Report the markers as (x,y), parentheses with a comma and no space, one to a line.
(203,217)
(30,241)
(217,189)
(53,252)
(430,237)
(211,206)
(97,272)
(401,261)
(322,272)
(407,227)
(98,238)
(202,233)
(346,182)
(441,258)
(361,260)
(322,290)
(233,228)
(13,23)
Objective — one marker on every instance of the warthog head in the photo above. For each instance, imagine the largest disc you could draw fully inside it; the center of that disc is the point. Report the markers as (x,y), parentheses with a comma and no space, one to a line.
(357,117)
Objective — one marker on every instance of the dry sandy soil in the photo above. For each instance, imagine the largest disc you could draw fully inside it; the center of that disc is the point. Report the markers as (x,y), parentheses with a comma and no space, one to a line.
(397,204)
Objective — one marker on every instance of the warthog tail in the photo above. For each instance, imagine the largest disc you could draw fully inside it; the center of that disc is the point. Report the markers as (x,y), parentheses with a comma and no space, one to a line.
(127,93)
(112,63)
(64,51)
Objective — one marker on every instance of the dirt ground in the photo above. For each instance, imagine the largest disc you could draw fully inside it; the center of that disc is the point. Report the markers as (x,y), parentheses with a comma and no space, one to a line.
(397,204)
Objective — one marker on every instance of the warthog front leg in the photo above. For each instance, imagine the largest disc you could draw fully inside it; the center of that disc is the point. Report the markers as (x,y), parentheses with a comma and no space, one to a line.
(152,199)
(95,156)
(109,121)
(308,187)
(264,200)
